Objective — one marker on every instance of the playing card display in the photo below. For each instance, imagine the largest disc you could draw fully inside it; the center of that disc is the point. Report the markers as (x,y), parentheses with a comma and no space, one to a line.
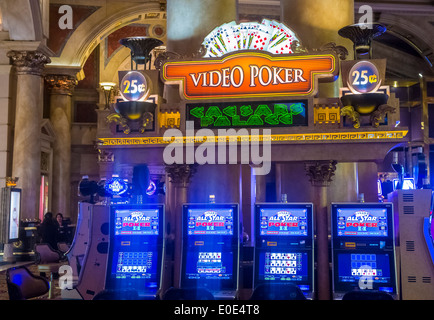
(269,35)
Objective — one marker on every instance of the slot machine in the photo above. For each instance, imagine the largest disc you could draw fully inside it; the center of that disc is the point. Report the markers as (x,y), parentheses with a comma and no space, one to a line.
(211,248)
(136,249)
(414,245)
(79,245)
(363,248)
(284,245)
(88,256)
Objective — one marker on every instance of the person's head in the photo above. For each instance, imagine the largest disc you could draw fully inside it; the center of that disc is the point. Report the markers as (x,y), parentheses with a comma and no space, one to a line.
(59,218)
(48,216)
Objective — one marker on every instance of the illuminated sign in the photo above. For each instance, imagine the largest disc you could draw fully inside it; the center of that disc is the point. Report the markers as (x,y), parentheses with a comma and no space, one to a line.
(116,186)
(151,189)
(14,214)
(250,74)
(248,114)
(217,222)
(372,222)
(364,77)
(276,138)
(134,87)
(136,222)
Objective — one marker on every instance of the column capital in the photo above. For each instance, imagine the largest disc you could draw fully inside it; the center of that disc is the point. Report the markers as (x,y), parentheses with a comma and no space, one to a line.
(180,174)
(28,62)
(320,172)
(61,83)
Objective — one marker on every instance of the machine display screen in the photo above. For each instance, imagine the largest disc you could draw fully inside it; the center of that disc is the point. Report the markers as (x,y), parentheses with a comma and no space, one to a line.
(210,221)
(136,265)
(283,221)
(362,221)
(365,270)
(14,214)
(209,265)
(136,222)
(283,267)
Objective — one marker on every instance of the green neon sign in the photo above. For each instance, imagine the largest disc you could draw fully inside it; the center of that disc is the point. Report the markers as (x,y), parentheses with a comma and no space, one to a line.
(248,114)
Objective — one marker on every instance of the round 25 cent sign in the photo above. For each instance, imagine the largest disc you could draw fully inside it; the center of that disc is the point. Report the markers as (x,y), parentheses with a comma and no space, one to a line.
(134,86)
(364,78)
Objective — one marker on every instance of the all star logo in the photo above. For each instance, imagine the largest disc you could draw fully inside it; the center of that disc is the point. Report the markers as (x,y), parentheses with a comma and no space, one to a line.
(210,215)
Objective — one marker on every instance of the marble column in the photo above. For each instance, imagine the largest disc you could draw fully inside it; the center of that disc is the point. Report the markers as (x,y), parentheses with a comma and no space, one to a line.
(260,186)
(61,88)
(317,23)
(26,165)
(320,175)
(179,181)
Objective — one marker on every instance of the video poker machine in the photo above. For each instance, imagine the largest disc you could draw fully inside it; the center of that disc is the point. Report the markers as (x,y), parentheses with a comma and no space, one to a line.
(363,248)
(284,245)
(211,248)
(136,249)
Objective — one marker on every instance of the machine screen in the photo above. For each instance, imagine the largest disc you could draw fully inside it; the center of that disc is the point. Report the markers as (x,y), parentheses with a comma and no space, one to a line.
(283,266)
(362,221)
(209,265)
(365,270)
(136,265)
(215,221)
(283,221)
(14,218)
(136,222)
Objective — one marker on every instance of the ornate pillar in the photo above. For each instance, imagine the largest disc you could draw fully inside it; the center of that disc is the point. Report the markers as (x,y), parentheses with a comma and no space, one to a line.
(61,88)
(179,180)
(29,66)
(320,175)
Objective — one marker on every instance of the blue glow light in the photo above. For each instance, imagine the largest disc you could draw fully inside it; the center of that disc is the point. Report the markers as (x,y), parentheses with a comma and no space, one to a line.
(151,189)
(17,279)
(116,186)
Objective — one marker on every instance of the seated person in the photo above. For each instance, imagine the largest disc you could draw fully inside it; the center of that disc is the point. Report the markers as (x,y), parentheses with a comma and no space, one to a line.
(48,230)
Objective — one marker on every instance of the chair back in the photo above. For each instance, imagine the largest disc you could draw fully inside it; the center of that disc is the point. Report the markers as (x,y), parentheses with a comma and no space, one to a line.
(116,295)
(188,294)
(46,254)
(367,295)
(277,292)
(22,284)
(63,247)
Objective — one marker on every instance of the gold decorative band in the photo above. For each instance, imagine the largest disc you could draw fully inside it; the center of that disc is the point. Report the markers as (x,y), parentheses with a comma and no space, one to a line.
(332,136)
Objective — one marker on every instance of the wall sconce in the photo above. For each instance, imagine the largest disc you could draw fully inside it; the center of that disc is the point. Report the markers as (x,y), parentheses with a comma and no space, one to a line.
(11,182)
(107,87)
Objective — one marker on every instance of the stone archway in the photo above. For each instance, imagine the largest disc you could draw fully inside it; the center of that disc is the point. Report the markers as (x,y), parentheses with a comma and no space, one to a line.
(98,26)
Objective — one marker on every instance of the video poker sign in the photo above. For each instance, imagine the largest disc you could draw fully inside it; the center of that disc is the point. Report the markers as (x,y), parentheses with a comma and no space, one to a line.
(250,74)
(362,218)
(135,223)
(283,219)
(211,222)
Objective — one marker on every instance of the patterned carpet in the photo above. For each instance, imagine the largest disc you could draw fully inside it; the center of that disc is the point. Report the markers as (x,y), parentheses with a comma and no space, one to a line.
(4,295)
